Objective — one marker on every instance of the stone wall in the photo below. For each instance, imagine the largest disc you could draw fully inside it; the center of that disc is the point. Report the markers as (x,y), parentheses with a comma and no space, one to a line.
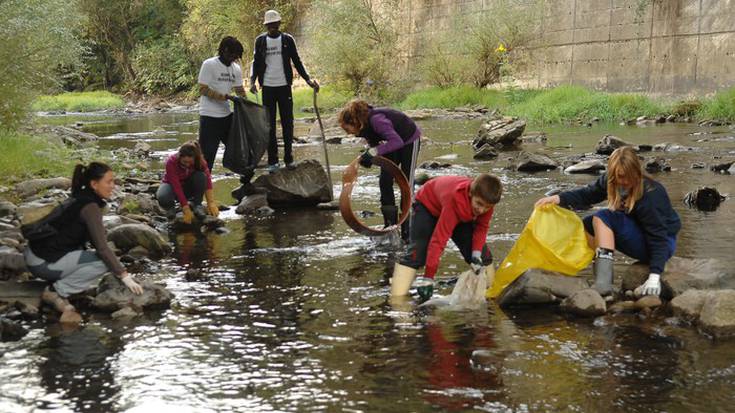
(670,47)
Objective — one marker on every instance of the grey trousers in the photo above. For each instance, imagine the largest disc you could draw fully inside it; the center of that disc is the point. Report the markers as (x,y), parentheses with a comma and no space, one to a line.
(73,273)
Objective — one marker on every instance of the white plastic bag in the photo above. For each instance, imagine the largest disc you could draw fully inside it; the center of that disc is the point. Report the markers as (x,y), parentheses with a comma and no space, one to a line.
(469,292)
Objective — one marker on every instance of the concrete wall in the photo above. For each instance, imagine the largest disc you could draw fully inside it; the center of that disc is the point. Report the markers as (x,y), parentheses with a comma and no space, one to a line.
(670,47)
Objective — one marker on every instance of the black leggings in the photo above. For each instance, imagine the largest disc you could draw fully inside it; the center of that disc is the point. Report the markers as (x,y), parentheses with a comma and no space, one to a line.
(280,96)
(402,158)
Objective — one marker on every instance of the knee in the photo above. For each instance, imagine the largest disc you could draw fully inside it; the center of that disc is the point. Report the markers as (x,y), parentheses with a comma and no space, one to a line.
(164,196)
(198,178)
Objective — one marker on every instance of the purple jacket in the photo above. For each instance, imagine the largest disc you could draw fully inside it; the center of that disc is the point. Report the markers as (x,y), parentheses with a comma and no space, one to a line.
(389,130)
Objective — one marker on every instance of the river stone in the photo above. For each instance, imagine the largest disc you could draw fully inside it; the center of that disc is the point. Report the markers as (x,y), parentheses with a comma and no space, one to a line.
(114,221)
(142,148)
(532,162)
(648,301)
(718,313)
(537,286)
(608,143)
(590,166)
(304,185)
(722,167)
(30,212)
(500,132)
(139,204)
(33,186)
(731,170)
(622,307)
(331,128)
(584,303)
(129,236)
(124,313)
(28,292)
(251,203)
(434,165)
(689,304)
(485,152)
(682,274)
(11,330)
(113,295)
(704,199)
(12,262)
(7,209)
(655,165)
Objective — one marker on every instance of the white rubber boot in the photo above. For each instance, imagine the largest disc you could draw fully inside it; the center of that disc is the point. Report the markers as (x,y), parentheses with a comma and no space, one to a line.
(402,279)
(489,275)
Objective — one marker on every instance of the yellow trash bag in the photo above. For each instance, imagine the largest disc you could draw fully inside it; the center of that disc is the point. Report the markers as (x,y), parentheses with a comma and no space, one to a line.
(552,240)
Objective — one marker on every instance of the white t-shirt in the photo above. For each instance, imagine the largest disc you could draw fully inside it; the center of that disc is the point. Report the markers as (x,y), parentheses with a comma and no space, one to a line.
(221,79)
(274,75)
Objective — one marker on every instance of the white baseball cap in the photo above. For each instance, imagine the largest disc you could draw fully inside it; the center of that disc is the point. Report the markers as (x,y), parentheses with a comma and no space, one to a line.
(271,16)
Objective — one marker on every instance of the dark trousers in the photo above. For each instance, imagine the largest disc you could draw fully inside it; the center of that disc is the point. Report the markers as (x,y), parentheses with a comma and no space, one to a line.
(280,96)
(194,188)
(212,131)
(403,158)
(422,228)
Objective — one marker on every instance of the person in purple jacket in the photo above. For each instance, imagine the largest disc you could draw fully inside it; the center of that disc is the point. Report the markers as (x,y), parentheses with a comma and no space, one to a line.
(187,180)
(391,134)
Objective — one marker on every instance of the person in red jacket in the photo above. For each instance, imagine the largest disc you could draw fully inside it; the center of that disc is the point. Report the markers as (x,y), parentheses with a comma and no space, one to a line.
(446,207)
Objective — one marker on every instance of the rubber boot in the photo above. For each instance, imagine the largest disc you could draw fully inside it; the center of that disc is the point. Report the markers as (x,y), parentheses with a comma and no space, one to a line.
(489,275)
(390,215)
(402,279)
(603,270)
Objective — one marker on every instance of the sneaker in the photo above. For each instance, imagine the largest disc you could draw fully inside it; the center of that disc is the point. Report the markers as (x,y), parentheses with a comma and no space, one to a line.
(272,168)
(200,212)
(290,166)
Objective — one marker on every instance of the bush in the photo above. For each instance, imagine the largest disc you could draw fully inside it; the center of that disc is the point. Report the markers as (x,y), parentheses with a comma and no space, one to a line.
(721,106)
(453,97)
(79,102)
(25,156)
(162,66)
(330,98)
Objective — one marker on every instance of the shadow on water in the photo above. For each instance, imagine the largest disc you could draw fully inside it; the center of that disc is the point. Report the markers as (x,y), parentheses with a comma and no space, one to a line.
(289,312)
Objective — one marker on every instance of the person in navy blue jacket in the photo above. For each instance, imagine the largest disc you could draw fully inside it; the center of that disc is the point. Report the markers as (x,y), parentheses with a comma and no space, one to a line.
(639,220)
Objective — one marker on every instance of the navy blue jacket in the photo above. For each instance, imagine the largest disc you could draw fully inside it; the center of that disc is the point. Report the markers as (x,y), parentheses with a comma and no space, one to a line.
(289,54)
(653,213)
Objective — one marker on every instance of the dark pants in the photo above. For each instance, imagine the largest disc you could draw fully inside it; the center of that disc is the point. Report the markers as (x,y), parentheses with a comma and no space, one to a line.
(194,188)
(212,131)
(280,96)
(629,237)
(403,158)
(422,228)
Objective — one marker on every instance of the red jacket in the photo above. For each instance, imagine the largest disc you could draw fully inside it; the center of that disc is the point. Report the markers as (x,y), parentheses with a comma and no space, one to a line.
(448,198)
(176,174)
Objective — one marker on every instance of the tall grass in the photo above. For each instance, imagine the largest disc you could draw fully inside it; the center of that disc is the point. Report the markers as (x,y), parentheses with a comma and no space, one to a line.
(26,156)
(329,98)
(721,106)
(78,102)
(453,97)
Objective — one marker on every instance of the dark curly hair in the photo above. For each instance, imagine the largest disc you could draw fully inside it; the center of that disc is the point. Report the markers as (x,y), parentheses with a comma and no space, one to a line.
(232,45)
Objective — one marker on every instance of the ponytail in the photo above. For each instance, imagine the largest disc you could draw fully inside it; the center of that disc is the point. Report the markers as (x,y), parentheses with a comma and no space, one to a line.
(84,174)
(192,149)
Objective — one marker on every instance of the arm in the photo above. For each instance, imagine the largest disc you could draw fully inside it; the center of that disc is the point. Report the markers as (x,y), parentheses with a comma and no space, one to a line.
(479,234)
(204,80)
(443,230)
(173,180)
(254,64)
(239,88)
(384,127)
(92,217)
(585,196)
(297,61)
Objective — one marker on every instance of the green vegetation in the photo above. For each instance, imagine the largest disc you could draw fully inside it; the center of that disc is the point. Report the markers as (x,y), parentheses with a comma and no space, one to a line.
(25,155)
(721,106)
(330,98)
(78,102)
(453,97)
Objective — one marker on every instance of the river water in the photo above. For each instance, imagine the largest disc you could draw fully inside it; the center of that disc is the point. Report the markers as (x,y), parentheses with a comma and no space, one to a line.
(289,312)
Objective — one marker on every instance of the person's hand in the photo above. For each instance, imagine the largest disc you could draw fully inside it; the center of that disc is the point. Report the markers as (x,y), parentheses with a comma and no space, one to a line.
(314,85)
(254,89)
(549,200)
(366,159)
(652,286)
(131,284)
(476,262)
(188,215)
(211,203)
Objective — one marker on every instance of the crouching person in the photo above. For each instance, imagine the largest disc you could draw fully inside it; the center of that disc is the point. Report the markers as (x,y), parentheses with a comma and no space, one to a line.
(448,207)
(62,258)
(187,180)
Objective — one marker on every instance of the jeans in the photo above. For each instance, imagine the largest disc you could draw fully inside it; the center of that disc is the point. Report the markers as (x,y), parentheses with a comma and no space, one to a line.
(194,188)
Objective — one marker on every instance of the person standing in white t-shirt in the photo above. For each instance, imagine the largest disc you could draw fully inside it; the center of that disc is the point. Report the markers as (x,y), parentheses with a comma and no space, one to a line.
(218,76)
(273,53)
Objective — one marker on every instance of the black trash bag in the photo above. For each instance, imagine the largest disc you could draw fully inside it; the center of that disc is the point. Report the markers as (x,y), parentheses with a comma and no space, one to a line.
(248,139)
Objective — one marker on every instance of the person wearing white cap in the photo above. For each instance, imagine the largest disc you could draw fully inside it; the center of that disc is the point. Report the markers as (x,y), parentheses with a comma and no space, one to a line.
(273,53)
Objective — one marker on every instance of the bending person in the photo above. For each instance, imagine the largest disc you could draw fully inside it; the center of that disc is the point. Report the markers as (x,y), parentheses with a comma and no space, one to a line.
(187,180)
(446,207)
(639,220)
(62,259)
(390,134)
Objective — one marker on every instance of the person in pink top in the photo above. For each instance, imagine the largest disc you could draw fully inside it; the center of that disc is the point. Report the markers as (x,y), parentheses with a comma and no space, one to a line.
(187,180)
(455,207)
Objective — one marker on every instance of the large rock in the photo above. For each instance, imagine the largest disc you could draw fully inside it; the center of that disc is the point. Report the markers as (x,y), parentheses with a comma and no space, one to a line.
(485,152)
(7,209)
(34,186)
(11,330)
(533,162)
(30,212)
(704,199)
(11,261)
(139,204)
(608,143)
(28,292)
(251,203)
(590,166)
(129,236)
(113,295)
(682,274)
(689,304)
(306,184)
(718,313)
(540,287)
(500,133)
(655,165)
(114,221)
(584,303)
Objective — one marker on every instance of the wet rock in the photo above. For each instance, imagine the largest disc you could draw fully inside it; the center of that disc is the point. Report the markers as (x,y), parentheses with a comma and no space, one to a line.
(335,140)
(539,137)
(329,206)
(246,190)
(129,236)
(305,185)
(584,303)
(731,171)
(648,301)
(138,252)
(264,211)
(11,261)
(608,143)
(113,221)
(113,295)
(644,148)
(434,165)
(502,132)
(698,165)
(251,203)
(689,304)
(139,204)
(671,147)
(485,152)
(591,166)
(34,186)
(622,307)
(28,292)
(718,314)
(655,165)
(30,212)
(704,199)
(682,274)
(211,223)
(11,330)
(142,149)
(27,311)
(671,118)
(7,209)
(721,167)
(710,123)
(487,360)
(540,287)
(532,162)
(124,313)
(138,219)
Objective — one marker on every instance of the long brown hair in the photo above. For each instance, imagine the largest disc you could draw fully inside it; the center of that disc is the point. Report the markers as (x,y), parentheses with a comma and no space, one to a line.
(191,149)
(624,162)
(355,113)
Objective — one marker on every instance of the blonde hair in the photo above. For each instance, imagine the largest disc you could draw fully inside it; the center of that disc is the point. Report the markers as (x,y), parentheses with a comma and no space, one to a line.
(624,162)
(355,113)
